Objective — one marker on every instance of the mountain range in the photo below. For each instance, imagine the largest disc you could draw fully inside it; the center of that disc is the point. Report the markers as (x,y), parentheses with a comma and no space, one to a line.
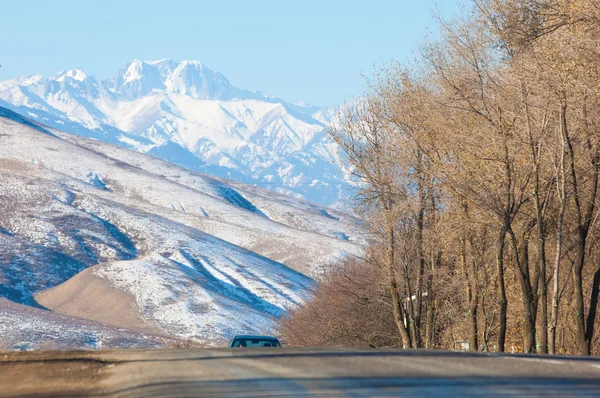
(103,246)
(192,116)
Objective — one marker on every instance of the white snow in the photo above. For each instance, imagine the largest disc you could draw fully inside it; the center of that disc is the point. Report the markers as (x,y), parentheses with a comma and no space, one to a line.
(26,328)
(75,74)
(134,72)
(232,133)
(203,257)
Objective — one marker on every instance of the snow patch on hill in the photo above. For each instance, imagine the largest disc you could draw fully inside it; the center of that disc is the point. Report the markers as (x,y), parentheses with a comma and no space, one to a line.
(25,328)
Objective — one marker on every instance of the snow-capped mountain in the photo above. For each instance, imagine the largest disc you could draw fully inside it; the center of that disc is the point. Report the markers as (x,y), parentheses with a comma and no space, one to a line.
(192,116)
(96,231)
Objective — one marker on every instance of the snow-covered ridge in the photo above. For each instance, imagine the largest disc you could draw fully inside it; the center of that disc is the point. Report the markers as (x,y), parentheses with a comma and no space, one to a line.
(200,257)
(206,123)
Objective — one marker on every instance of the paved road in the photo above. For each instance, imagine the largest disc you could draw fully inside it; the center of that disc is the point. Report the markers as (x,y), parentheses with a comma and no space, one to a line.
(293,372)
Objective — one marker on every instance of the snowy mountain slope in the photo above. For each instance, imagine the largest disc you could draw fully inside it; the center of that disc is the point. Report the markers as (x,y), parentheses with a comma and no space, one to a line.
(190,115)
(27,328)
(198,201)
(203,257)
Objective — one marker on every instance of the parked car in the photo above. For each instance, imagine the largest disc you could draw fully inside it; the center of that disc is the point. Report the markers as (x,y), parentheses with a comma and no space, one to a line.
(254,341)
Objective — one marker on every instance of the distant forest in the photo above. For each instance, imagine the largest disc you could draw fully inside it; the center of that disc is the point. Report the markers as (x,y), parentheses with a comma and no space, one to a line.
(479,165)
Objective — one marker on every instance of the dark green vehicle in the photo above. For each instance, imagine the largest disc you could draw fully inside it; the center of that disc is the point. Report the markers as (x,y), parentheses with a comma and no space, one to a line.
(254,341)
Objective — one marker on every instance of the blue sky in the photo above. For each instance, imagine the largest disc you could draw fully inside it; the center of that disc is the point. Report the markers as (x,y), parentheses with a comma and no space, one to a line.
(313,51)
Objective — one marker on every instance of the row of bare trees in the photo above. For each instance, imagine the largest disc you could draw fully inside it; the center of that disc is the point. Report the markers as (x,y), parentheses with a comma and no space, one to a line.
(479,168)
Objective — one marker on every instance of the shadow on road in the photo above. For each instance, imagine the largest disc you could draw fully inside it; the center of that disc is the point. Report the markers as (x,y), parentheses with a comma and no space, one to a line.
(369,387)
(262,353)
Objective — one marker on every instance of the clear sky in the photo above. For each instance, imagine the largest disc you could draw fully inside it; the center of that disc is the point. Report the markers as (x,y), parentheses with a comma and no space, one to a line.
(308,50)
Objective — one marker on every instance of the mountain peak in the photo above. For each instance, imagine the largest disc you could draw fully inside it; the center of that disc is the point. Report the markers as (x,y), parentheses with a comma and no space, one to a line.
(161,61)
(134,71)
(192,78)
(75,74)
(192,63)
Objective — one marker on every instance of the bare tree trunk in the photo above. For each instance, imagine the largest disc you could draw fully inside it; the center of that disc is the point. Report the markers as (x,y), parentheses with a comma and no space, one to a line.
(431,302)
(583,340)
(436,262)
(562,195)
(506,222)
(430,330)
(410,308)
(420,252)
(533,282)
(535,152)
(526,293)
(540,280)
(398,318)
(580,336)
(543,298)
(593,307)
(473,307)
(394,288)
(556,278)
(472,297)
(413,330)
(502,302)
(591,319)
(486,323)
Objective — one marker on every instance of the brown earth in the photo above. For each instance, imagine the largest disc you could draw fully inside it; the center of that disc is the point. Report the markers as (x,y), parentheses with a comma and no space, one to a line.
(91,297)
